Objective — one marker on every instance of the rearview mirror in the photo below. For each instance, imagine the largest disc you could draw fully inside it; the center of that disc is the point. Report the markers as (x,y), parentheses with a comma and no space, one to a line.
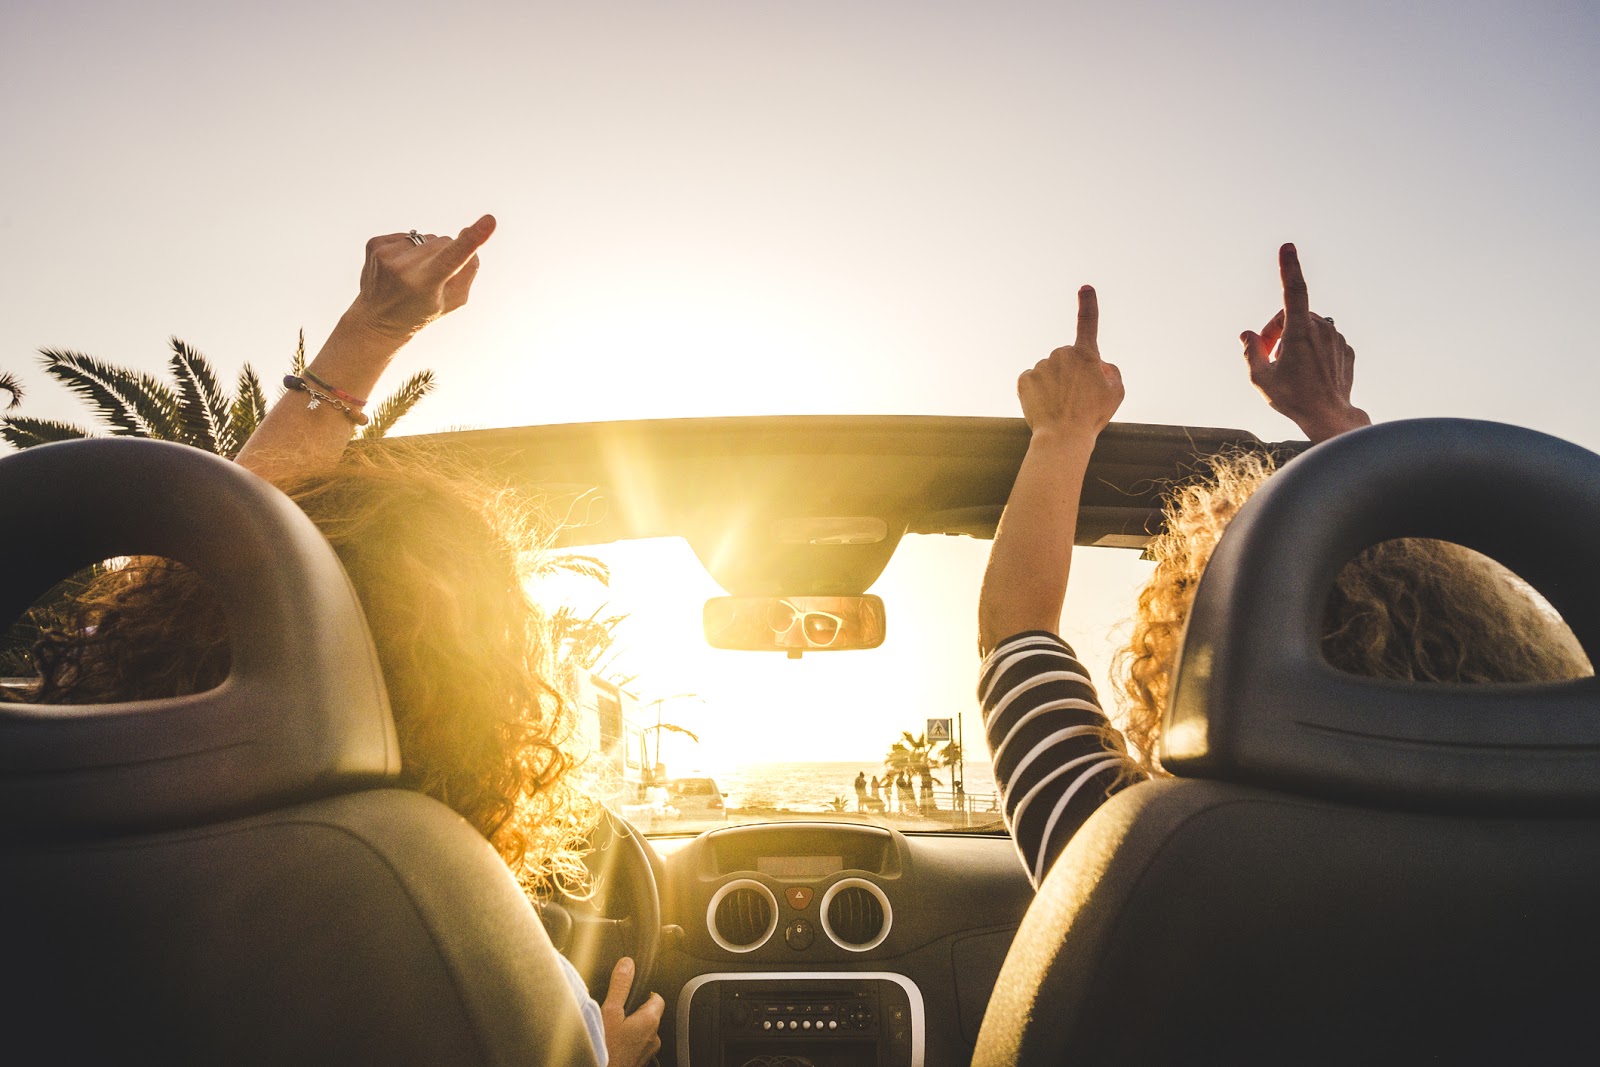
(794,624)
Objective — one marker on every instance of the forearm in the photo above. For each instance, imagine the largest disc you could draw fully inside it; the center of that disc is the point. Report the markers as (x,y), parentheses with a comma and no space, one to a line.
(298,438)
(1026,580)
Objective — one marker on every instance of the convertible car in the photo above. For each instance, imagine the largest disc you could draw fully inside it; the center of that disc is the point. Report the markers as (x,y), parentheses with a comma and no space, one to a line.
(1341,869)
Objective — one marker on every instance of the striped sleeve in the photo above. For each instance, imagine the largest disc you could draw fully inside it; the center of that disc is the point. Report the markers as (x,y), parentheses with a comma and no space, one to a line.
(1051,761)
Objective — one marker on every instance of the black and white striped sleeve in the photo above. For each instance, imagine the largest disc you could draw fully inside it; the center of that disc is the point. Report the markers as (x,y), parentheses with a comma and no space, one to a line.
(1045,731)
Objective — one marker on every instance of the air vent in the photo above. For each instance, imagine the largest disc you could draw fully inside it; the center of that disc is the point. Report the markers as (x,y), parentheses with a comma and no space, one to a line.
(743,914)
(856,914)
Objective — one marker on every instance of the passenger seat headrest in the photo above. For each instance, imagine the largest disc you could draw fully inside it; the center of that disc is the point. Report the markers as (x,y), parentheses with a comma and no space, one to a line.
(303,711)
(1253,699)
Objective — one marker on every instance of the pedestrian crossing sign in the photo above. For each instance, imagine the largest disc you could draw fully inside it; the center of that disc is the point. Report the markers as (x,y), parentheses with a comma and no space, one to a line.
(938,730)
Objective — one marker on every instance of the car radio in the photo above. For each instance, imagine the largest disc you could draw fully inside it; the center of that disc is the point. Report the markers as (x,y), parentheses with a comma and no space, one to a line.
(847,1019)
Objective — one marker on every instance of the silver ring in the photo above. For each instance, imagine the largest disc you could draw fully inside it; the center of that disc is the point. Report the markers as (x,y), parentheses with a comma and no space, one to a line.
(1326,318)
(417,239)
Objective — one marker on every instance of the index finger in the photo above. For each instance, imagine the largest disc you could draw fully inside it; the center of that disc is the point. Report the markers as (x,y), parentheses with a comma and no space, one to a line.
(1088,319)
(1296,301)
(455,254)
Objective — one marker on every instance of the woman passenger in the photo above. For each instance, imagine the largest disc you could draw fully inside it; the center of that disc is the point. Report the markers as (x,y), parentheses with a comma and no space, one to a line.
(1407,609)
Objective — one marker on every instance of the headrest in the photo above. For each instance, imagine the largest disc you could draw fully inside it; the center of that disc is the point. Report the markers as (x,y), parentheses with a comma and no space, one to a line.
(1255,702)
(303,708)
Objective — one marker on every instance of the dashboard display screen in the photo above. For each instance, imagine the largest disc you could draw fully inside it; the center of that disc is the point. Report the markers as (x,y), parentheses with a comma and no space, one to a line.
(799,866)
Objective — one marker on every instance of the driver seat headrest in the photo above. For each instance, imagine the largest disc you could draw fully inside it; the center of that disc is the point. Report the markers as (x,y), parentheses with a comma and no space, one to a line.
(303,711)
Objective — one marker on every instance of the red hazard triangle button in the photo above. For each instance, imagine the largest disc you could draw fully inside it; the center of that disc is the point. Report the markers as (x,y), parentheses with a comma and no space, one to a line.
(798,896)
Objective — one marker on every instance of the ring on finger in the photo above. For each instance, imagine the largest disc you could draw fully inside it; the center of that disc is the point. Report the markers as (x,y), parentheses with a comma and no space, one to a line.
(416,238)
(1328,319)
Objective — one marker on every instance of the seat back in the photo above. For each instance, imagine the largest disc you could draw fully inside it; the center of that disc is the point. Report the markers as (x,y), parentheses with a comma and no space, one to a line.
(1344,869)
(233,877)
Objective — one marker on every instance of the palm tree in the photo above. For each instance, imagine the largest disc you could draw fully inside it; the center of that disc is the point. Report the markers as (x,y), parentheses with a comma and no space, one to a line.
(193,410)
(915,756)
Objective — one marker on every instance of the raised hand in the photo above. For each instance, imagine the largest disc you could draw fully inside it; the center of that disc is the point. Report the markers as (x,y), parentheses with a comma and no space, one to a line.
(1067,400)
(406,285)
(1073,391)
(1310,376)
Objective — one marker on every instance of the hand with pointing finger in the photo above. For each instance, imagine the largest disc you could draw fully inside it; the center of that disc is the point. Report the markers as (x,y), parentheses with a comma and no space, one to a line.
(1309,376)
(407,281)
(1073,392)
(406,284)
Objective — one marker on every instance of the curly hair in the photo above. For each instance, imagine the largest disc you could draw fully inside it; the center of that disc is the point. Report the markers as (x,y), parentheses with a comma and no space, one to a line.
(439,559)
(1408,609)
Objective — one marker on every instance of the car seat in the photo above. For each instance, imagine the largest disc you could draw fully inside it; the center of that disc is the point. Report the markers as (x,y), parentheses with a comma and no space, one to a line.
(234,876)
(1344,869)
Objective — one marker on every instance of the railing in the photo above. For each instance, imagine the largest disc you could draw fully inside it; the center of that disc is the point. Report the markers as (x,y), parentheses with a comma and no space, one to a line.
(957,807)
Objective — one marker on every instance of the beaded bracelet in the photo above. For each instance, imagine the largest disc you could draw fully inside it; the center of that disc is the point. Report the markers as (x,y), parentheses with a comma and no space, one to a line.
(335,390)
(318,398)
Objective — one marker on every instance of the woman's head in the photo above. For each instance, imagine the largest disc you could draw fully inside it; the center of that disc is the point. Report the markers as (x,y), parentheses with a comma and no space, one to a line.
(439,561)
(1407,609)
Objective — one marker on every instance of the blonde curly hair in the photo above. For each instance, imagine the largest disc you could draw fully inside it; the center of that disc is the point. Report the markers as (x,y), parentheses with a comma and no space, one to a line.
(1408,609)
(440,560)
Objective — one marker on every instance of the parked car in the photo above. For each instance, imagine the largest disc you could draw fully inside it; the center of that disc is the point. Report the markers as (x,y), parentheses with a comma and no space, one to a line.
(696,798)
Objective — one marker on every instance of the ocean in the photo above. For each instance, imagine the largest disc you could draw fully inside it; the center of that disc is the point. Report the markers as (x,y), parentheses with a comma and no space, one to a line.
(812,787)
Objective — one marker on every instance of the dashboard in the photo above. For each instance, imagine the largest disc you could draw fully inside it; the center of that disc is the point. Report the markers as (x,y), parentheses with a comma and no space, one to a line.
(841,944)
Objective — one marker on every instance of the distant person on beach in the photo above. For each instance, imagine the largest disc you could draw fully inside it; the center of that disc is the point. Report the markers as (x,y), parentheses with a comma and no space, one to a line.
(875,802)
(1408,609)
(902,791)
(861,790)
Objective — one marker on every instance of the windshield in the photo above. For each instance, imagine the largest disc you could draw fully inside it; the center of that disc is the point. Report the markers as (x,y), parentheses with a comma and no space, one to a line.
(697,737)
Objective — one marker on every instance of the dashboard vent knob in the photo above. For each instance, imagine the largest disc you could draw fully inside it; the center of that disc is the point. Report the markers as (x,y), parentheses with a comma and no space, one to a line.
(856,914)
(743,916)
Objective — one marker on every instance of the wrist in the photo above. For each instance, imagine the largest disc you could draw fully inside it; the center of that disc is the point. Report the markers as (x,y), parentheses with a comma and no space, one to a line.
(363,325)
(1324,425)
(1075,439)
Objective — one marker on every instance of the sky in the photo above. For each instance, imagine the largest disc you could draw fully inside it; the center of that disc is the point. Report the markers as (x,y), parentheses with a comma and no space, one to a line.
(783,207)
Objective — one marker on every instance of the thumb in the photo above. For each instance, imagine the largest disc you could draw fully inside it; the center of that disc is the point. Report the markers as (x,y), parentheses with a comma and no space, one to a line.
(1255,354)
(460,251)
(621,982)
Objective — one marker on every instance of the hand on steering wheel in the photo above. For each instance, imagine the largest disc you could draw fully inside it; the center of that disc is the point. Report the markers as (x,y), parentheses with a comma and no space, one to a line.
(631,1040)
(621,919)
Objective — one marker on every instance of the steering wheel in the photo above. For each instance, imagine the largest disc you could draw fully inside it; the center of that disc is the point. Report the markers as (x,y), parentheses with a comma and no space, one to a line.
(623,918)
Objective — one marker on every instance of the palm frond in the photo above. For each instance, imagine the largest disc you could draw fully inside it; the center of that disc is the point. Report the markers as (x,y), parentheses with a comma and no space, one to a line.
(138,400)
(574,564)
(396,404)
(299,362)
(90,378)
(202,410)
(248,409)
(13,385)
(21,432)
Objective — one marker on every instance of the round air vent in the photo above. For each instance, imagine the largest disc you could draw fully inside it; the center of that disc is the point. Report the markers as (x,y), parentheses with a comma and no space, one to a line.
(856,914)
(742,915)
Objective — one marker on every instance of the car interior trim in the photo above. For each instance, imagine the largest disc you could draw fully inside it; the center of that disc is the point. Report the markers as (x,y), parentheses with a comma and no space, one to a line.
(913,995)
(722,892)
(871,887)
